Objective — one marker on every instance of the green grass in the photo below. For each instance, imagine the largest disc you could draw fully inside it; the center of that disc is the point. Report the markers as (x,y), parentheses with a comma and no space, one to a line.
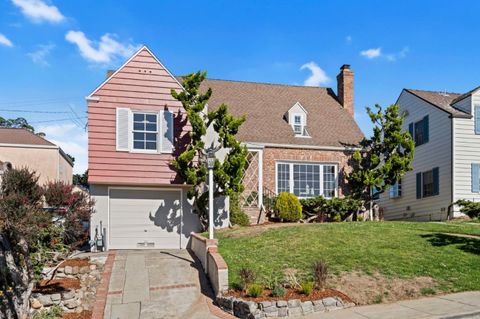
(394,249)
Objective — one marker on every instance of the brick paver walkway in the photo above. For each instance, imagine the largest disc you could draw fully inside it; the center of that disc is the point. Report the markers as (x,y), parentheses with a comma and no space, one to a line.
(154,284)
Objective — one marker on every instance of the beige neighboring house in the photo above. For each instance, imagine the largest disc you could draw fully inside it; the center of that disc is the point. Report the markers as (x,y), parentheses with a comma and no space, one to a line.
(23,148)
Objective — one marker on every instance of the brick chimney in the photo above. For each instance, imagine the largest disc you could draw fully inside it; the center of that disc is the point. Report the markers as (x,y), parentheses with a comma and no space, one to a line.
(345,88)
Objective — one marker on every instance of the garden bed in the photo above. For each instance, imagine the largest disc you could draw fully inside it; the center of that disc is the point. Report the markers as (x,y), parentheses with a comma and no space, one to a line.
(56,285)
(86,314)
(290,294)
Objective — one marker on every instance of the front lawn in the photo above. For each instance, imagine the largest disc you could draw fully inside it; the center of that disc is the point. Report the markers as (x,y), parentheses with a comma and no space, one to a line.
(391,250)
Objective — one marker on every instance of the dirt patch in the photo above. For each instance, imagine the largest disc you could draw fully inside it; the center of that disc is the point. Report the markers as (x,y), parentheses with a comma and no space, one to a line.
(75,262)
(365,289)
(56,285)
(86,314)
(291,294)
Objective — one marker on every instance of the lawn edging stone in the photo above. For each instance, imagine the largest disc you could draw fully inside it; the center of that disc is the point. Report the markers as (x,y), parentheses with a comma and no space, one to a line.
(282,308)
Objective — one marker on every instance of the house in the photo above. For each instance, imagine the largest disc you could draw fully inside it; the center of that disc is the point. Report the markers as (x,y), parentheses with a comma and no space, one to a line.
(22,148)
(446,130)
(299,140)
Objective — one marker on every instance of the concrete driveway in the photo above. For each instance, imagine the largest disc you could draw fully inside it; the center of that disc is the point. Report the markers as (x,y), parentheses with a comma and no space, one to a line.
(156,284)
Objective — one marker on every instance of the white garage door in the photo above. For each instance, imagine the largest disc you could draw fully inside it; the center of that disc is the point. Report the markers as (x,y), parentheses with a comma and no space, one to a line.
(142,219)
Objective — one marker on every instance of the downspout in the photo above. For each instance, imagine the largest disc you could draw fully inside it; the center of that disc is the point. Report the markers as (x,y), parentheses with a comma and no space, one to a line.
(450,209)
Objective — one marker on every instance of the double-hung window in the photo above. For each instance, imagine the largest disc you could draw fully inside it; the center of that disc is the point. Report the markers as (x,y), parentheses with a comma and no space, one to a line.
(298,124)
(420,131)
(395,190)
(145,131)
(428,183)
(307,179)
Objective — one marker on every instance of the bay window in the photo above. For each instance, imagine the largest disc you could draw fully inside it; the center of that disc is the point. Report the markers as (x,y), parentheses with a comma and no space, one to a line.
(307,179)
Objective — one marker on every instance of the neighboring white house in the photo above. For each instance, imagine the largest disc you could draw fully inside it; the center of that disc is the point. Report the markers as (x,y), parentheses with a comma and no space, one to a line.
(446,167)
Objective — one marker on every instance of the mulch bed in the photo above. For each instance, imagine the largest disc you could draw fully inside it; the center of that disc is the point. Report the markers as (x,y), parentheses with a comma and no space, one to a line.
(56,285)
(75,262)
(86,314)
(291,294)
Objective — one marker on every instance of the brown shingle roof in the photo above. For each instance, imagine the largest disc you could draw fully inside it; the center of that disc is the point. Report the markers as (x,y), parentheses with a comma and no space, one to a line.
(265,105)
(442,100)
(21,136)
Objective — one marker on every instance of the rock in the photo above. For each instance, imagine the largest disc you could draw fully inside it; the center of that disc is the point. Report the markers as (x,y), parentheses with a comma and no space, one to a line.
(56,297)
(329,302)
(69,294)
(265,304)
(318,305)
(60,275)
(307,307)
(60,270)
(283,312)
(93,267)
(339,304)
(271,309)
(45,300)
(84,269)
(252,306)
(78,309)
(35,304)
(281,303)
(75,270)
(295,311)
(68,270)
(294,303)
(71,304)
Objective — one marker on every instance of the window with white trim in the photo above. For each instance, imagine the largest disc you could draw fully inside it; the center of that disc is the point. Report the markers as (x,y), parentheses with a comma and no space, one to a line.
(307,179)
(395,190)
(298,124)
(145,131)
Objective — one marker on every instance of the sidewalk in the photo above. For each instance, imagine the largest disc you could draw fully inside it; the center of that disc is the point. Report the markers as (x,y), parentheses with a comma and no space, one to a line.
(453,306)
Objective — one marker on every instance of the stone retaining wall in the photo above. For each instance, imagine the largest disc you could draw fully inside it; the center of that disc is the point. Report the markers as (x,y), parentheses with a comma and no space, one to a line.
(282,308)
(212,262)
(72,300)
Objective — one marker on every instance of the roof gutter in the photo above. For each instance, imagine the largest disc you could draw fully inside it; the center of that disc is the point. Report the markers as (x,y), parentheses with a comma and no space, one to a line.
(311,147)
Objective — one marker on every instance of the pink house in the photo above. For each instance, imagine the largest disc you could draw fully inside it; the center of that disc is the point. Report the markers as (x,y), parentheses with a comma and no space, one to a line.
(136,128)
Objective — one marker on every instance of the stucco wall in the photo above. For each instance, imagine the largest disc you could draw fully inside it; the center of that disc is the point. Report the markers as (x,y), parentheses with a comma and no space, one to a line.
(45,161)
(272,155)
(100,195)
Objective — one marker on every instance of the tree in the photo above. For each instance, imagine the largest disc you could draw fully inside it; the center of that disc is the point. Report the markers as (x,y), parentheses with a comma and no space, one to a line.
(81,179)
(19,122)
(191,163)
(21,222)
(384,157)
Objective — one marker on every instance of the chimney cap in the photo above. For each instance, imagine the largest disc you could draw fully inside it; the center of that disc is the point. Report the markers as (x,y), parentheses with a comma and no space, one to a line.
(345,67)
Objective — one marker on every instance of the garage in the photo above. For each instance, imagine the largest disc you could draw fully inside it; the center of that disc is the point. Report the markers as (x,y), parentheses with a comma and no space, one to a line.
(145,219)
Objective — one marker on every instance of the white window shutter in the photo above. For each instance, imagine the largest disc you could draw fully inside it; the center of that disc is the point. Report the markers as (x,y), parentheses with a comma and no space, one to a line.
(167,129)
(123,129)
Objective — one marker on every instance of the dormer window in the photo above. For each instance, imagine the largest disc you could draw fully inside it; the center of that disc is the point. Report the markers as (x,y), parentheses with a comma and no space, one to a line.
(297,118)
(298,124)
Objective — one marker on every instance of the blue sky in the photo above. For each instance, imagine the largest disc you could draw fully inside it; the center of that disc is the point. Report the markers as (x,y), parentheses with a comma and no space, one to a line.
(54,53)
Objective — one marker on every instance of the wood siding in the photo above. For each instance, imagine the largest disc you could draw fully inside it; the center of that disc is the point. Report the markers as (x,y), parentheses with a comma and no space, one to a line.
(143,84)
(436,153)
(466,152)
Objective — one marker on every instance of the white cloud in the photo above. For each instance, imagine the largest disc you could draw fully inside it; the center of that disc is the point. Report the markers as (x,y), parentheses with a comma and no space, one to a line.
(371,53)
(399,55)
(103,52)
(73,141)
(348,39)
(318,76)
(38,11)
(40,56)
(5,41)
(377,53)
